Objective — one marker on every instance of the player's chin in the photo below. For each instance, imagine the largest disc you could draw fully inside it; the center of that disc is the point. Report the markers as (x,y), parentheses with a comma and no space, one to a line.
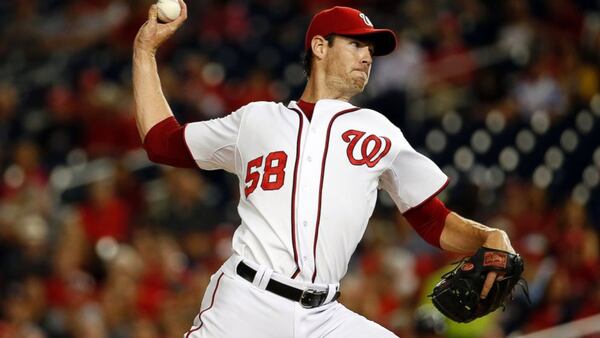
(359,84)
(360,81)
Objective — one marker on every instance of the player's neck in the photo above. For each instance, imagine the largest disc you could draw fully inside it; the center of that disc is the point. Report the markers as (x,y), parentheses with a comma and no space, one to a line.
(316,89)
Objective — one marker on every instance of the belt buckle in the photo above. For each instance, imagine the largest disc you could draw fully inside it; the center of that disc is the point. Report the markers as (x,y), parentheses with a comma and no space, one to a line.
(311,298)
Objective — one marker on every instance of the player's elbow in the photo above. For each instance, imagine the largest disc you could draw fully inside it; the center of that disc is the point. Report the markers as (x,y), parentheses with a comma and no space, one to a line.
(428,220)
(154,156)
(165,144)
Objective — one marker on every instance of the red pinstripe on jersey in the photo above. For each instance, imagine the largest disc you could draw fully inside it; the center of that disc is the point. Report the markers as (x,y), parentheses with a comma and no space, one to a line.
(293,213)
(212,302)
(321,185)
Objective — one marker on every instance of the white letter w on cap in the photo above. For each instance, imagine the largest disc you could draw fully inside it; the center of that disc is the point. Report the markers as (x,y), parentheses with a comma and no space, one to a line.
(366,20)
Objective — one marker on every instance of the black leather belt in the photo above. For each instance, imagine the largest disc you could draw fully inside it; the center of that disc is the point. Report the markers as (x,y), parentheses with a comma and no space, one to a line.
(308,298)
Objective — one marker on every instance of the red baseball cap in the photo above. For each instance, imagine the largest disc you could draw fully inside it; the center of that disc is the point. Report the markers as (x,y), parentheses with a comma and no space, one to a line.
(350,22)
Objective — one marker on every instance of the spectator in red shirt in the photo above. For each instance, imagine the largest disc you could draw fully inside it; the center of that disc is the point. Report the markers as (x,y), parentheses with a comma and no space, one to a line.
(105,214)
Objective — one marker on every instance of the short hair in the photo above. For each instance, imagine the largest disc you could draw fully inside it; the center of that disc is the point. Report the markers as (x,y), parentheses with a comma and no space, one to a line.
(308,55)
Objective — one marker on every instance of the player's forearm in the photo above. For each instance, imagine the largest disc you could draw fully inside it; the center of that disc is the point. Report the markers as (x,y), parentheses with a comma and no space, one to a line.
(465,236)
(151,106)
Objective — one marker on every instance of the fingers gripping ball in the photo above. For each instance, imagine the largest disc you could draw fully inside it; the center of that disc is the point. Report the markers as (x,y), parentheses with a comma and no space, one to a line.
(168,10)
(457,294)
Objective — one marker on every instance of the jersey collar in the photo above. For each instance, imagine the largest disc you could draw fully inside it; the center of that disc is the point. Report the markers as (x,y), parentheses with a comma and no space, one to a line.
(326,106)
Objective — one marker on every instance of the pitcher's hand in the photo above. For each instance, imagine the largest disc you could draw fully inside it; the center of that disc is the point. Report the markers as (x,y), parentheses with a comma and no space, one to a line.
(499,241)
(153,33)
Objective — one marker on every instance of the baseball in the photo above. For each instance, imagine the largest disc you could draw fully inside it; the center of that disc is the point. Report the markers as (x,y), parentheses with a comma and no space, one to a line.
(168,10)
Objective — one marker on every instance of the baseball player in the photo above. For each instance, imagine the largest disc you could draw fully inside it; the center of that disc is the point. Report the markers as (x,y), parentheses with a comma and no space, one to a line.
(308,174)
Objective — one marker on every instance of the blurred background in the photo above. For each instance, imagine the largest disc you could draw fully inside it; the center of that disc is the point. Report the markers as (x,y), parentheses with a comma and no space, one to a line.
(96,241)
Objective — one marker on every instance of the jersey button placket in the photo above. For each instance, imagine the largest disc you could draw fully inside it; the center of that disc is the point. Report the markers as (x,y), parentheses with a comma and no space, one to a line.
(309,176)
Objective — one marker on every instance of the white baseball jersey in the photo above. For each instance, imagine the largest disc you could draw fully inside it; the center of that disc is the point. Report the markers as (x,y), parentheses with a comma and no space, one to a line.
(308,188)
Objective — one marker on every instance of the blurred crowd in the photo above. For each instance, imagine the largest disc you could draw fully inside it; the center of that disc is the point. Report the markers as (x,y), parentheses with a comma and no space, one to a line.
(95,241)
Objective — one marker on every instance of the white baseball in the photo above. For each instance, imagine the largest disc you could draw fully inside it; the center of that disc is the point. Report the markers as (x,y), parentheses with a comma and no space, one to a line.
(168,10)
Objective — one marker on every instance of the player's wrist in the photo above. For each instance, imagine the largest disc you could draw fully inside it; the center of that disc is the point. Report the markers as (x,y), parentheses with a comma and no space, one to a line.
(141,51)
(498,239)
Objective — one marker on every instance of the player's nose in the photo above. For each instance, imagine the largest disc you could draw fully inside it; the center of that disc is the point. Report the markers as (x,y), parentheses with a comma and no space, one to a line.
(366,57)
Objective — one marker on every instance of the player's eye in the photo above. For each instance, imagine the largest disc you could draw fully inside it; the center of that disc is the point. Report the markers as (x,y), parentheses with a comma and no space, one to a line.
(359,44)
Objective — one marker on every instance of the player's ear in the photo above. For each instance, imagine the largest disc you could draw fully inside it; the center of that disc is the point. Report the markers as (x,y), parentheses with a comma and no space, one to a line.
(319,46)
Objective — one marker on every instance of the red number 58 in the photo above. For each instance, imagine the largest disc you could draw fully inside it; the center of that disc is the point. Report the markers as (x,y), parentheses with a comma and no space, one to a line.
(274,172)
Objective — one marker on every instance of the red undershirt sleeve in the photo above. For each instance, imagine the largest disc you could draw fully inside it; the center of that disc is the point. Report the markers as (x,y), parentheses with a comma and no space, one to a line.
(428,220)
(165,144)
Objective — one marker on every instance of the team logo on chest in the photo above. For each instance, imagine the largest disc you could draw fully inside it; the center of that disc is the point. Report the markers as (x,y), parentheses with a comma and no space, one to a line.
(372,148)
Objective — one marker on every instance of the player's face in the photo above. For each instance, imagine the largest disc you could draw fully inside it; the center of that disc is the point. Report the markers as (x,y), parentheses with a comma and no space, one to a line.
(348,64)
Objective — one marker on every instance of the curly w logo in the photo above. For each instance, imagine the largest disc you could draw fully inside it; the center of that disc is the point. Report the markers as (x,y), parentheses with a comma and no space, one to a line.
(370,147)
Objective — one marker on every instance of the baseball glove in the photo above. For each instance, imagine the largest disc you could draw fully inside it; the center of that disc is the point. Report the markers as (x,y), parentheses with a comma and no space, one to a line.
(457,294)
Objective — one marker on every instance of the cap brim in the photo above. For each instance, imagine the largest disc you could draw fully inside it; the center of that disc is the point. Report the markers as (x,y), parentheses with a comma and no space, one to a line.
(384,40)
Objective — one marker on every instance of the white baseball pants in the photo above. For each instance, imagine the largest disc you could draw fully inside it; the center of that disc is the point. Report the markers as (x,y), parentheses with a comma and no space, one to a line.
(233,307)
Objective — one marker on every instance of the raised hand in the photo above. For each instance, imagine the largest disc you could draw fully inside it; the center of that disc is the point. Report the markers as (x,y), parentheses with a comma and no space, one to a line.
(153,33)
